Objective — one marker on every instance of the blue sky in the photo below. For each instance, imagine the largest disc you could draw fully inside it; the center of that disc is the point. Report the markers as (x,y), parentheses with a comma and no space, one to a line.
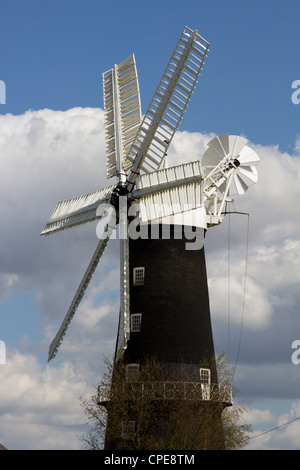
(53,54)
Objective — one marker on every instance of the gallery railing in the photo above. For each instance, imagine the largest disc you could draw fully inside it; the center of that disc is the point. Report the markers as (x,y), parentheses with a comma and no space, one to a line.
(165,390)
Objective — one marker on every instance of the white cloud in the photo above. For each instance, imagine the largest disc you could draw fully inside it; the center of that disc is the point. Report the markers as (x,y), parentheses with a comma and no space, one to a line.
(256,416)
(39,406)
(187,147)
(46,156)
(282,432)
(228,299)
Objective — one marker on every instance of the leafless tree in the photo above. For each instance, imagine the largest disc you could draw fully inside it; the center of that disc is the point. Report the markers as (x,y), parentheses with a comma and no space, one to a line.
(152,411)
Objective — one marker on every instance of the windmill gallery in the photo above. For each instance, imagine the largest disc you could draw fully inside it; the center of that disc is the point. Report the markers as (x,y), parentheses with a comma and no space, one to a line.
(164,300)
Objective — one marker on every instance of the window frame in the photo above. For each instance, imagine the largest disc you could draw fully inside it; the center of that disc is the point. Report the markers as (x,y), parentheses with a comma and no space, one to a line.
(135,326)
(205,380)
(137,277)
(130,374)
(128,429)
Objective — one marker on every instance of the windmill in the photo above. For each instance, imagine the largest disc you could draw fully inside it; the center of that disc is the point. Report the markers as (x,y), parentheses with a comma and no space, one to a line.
(164,304)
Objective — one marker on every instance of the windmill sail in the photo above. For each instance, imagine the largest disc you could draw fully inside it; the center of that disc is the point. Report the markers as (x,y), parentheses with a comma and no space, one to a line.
(122,112)
(76,211)
(167,177)
(169,191)
(124,328)
(81,289)
(169,102)
(169,202)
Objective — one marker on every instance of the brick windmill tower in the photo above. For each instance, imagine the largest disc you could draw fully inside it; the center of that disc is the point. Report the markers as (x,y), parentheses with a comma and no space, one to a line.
(162,214)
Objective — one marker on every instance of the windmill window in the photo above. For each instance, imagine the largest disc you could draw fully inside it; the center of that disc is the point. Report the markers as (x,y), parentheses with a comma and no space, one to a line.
(205,376)
(128,429)
(131,372)
(135,322)
(138,276)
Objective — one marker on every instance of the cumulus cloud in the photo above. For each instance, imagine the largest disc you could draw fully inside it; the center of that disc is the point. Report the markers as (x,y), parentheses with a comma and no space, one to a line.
(282,432)
(220,289)
(47,156)
(36,401)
